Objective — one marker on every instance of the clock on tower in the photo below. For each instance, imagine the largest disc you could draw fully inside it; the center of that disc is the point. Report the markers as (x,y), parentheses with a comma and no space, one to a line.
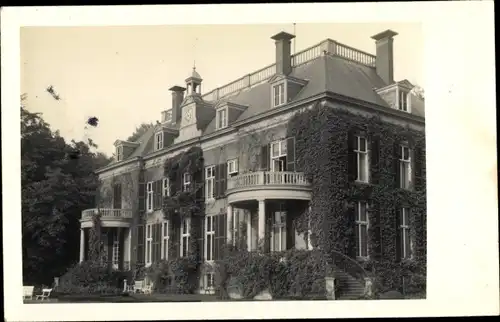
(188,116)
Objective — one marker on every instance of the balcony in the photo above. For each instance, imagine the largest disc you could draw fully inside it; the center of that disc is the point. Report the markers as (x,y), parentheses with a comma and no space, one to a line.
(268,185)
(109,217)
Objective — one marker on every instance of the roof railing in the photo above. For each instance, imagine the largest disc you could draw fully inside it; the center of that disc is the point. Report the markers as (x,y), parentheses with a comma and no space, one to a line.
(328,46)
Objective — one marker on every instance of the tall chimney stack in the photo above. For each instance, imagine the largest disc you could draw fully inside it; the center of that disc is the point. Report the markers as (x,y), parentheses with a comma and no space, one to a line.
(384,62)
(283,52)
(177,98)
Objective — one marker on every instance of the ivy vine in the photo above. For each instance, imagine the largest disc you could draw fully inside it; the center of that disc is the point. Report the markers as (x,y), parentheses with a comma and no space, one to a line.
(321,135)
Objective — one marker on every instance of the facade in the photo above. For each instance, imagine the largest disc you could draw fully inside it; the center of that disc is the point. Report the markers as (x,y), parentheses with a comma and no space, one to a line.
(252,186)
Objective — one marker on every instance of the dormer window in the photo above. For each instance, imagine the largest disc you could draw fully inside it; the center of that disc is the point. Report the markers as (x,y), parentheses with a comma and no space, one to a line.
(279,94)
(403,100)
(221,119)
(119,153)
(159,141)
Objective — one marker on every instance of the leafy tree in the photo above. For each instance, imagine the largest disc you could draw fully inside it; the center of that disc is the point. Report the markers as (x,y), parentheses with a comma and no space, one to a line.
(58,182)
(139,131)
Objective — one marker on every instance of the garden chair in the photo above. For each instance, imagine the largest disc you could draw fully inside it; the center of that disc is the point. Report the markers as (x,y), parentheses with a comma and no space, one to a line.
(28,292)
(139,286)
(148,289)
(45,294)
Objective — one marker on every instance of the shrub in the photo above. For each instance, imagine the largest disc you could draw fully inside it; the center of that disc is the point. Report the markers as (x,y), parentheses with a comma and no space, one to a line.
(295,273)
(175,275)
(92,277)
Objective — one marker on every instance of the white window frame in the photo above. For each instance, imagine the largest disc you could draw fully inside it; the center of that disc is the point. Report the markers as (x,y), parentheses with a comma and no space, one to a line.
(405,234)
(209,234)
(405,170)
(279,91)
(403,100)
(149,196)
(166,187)
(232,166)
(221,123)
(186,181)
(359,225)
(209,182)
(282,152)
(164,239)
(281,225)
(158,141)
(360,154)
(119,153)
(185,236)
(149,244)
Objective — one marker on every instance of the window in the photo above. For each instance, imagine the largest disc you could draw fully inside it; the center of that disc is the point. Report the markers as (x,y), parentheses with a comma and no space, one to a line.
(117,196)
(405,167)
(406,242)
(279,94)
(149,241)
(149,197)
(166,187)
(403,100)
(209,238)
(221,118)
(116,249)
(159,141)
(232,166)
(361,230)
(361,151)
(278,234)
(209,182)
(278,155)
(119,153)
(186,181)
(164,240)
(185,234)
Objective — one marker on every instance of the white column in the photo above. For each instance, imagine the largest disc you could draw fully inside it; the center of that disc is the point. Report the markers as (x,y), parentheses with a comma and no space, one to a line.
(129,245)
(249,230)
(82,245)
(309,245)
(262,220)
(229,226)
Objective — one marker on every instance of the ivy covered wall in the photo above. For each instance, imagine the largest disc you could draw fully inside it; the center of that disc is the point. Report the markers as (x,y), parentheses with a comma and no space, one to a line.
(323,153)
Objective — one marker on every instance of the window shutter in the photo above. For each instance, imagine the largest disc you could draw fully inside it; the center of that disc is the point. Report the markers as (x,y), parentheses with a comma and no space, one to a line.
(140,244)
(397,156)
(158,247)
(220,234)
(290,154)
(418,163)
(216,191)
(142,193)
(264,157)
(201,237)
(222,178)
(398,244)
(174,250)
(352,160)
(351,249)
(117,196)
(374,160)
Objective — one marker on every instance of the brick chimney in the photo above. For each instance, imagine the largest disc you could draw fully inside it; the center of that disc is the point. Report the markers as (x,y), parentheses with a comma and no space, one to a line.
(177,98)
(384,62)
(283,52)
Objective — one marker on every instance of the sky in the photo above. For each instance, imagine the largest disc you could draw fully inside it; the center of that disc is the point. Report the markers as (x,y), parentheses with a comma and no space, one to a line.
(121,74)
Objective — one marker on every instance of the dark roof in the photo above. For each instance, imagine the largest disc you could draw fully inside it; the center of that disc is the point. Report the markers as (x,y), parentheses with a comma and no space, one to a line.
(325,73)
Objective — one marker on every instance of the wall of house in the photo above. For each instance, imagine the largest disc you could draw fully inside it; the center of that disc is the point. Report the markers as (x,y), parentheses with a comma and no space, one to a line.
(390,97)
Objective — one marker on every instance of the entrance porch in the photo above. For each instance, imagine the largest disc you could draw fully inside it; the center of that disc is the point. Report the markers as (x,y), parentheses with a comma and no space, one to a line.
(117,246)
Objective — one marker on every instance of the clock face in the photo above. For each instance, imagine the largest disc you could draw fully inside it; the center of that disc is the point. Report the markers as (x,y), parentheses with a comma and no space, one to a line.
(189,114)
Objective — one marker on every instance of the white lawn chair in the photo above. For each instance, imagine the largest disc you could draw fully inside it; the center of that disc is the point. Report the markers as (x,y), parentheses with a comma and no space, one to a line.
(148,288)
(139,286)
(28,292)
(45,294)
